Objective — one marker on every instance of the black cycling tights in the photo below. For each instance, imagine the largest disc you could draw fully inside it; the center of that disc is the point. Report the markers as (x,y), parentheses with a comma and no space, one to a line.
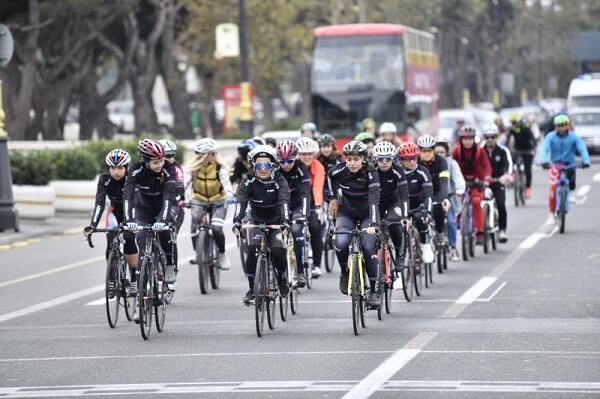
(278,254)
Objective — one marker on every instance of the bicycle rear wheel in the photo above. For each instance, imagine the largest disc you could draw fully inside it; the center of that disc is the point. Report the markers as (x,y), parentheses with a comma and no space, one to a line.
(464,234)
(388,285)
(562,209)
(146,290)
(284,305)
(486,228)
(202,257)
(111,289)
(215,267)
(261,293)
(160,304)
(272,299)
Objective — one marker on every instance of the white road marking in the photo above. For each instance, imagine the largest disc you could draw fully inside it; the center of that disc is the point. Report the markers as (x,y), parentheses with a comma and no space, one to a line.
(476,290)
(53,302)
(531,240)
(97,302)
(596,177)
(386,370)
(488,299)
(584,190)
(581,201)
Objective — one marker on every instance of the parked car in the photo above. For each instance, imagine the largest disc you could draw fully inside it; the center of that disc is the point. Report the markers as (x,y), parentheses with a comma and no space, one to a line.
(281,135)
(121,115)
(586,123)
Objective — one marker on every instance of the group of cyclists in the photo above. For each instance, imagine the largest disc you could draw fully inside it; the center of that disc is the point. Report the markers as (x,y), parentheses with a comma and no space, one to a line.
(378,176)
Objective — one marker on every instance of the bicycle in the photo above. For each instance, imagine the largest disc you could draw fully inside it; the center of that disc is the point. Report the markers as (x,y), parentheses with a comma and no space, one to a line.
(328,247)
(519,180)
(559,188)
(207,256)
(440,248)
(387,261)
(152,290)
(117,282)
(266,289)
(465,220)
(307,254)
(490,214)
(292,299)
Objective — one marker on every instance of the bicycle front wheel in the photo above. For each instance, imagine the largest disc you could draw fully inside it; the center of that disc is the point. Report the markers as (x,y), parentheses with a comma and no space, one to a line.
(486,229)
(562,210)
(272,298)
(146,290)
(202,256)
(111,290)
(354,291)
(130,302)
(160,300)
(215,267)
(464,234)
(261,293)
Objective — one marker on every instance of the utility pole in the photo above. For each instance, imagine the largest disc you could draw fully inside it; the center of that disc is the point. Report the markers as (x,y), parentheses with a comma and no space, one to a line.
(246,117)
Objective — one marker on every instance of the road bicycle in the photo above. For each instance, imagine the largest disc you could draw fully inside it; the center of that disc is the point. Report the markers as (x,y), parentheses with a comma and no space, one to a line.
(520,180)
(559,189)
(118,280)
(490,214)
(466,222)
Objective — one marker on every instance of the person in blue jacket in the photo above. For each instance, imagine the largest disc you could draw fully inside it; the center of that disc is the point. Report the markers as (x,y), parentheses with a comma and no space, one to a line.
(561,146)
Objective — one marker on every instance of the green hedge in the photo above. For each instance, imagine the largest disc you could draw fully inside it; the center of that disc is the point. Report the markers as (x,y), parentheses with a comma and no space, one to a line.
(77,163)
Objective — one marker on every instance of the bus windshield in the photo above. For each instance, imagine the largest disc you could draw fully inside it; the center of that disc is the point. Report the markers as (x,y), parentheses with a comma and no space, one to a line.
(358,64)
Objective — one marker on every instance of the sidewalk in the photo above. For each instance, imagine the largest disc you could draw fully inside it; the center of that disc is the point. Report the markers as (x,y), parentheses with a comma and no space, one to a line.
(31,230)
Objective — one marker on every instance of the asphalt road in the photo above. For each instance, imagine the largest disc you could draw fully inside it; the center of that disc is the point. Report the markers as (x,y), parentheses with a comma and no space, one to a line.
(521,322)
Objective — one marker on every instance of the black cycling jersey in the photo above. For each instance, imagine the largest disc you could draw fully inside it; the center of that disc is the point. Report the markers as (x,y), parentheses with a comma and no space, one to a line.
(360,190)
(394,190)
(523,137)
(438,171)
(238,171)
(500,160)
(147,189)
(299,186)
(330,161)
(268,199)
(111,189)
(420,187)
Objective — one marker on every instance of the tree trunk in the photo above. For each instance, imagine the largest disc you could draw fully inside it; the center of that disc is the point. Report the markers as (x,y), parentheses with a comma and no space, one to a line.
(267,112)
(143,110)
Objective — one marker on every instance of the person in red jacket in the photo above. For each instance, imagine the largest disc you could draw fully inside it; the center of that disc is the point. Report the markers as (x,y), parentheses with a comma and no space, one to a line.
(475,167)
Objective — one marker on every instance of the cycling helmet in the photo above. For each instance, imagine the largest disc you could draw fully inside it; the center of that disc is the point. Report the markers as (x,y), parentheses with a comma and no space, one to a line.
(309,126)
(384,149)
(408,150)
(426,141)
(561,119)
(205,146)
(355,147)
(286,150)
(467,131)
(443,143)
(150,149)
(118,157)
(368,123)
(326,139)
(513,118)
(365,137)
(263,151)
(306,145)
(387,127)
(258,140)
(169,146)
(490,129)
(271,141)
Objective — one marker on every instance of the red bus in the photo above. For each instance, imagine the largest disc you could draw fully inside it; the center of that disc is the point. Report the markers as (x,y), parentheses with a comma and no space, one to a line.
(382,71)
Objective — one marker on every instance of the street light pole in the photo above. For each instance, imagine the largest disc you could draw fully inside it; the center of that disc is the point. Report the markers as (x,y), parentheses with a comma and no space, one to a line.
(246,120)
(8,214)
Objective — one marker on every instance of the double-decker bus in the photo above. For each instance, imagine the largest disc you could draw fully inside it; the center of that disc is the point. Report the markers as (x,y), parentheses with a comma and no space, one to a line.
(386,72)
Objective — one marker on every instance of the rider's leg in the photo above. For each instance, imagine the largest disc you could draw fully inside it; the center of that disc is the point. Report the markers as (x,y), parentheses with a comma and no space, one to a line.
(316,237)
(299,241)
(527,162)
(198,212)
(571,176)
(368,243)
(500,196)
(476,197)
(253,244)
(343,223)
(217,222)
(439,217)
(451,227)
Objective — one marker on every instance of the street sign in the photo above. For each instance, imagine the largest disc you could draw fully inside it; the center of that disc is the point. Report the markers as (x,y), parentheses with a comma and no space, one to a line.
(6,45)
(227,41)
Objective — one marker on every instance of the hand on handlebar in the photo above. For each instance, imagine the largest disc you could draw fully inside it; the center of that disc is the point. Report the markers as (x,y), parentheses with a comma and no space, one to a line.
(446,204)
(158,225)
(333,208)
(371,230)
(87,231)
(236,228)
(407,222)
(546,165)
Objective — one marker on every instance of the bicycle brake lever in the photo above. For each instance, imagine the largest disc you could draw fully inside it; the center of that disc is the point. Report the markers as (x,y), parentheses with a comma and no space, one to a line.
(89,240)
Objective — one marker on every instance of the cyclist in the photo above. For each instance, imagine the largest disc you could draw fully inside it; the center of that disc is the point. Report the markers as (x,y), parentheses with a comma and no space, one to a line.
(561,147)
(387,132)
(241,165)
(111,185)
(307,148)
(267,193)
(394,193)
(358,204)
(297,176)
(170,153)
(501,163)
(271,141)
(456,189)
(152,186)
(309,129)
(524,146)
(328,155)
(438,171)
(210,185)
(475,167)
(368,125)
(420,193)
(368,139)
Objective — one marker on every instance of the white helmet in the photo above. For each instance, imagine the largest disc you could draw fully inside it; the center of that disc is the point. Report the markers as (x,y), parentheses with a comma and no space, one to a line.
(169,146)
(262,150)
(489,128)
(384,149)
(205,146)
(306,145)
(387,127)
(426,141)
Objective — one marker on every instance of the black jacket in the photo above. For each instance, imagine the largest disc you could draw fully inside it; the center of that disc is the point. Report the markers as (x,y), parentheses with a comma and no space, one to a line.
(523,137)
(298,182)
(111,189)
(268,199)
(438,171)
(330,161)
(420,188)
(394,191)
(500,160)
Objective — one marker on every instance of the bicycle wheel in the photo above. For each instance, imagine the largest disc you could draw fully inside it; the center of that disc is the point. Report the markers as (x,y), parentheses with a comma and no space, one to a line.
(464,234)
(425,269)
(494,235)
(294,299)
(284,305)
(215,267)
(160,302)
(354,294)
(418,270)
(517,186)
(145,300)
(439,260)
(388,285)
(362,302)
(445,258)
(202,258)
(328,252)
(129,302)
(272,299)
(261,294)
(111,289)
(486,228)
(562,209)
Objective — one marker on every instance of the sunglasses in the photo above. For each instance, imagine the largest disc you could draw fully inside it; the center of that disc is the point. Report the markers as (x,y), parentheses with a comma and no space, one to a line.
(263,166)
(385,159)
(287,161)
(408,159)
(490,137)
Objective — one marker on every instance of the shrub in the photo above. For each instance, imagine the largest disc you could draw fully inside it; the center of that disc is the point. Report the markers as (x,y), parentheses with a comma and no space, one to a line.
(34,168)
(74,164)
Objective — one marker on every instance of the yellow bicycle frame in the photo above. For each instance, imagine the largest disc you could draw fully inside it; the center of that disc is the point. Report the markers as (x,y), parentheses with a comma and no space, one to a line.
(360,275)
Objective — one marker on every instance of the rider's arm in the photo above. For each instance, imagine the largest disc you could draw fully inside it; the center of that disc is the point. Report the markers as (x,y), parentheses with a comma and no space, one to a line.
(583,151)
(457,177)
(507,163)
(304,191)
(225,182)
(443,175)
(100,200)
(283,195)
(374,194)
(426,193)
(402,193)
(544,154)
(318,182)
(332,183)
(128,193)
(169,197)
(486,166)
(243,194)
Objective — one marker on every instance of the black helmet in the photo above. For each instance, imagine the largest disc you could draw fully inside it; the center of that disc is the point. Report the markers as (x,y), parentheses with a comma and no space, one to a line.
(355,148)
(326,139)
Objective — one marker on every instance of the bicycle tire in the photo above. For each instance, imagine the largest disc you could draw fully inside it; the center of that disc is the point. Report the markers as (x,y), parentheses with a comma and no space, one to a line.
(388,285)
(445,258)
(112,304)
(294,299)
(464,234)
(439,260)
(202,261)
(214,268)
(486,229)
(145,299)
(354,294)
(430,272)
(160,305)
(472,235)
(562,210)
(272,299)
(284,306)
(407,272)
(260,294)
(425,268)
(130,302)
(418,270)
(243,253)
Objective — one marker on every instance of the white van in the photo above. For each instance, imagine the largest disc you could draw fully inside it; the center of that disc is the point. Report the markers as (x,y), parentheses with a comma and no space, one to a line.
(584,92)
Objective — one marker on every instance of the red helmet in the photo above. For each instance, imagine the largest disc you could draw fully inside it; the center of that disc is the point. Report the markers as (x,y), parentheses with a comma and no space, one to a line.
(408,150)
(467,131)
(286,150)
(150,149)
